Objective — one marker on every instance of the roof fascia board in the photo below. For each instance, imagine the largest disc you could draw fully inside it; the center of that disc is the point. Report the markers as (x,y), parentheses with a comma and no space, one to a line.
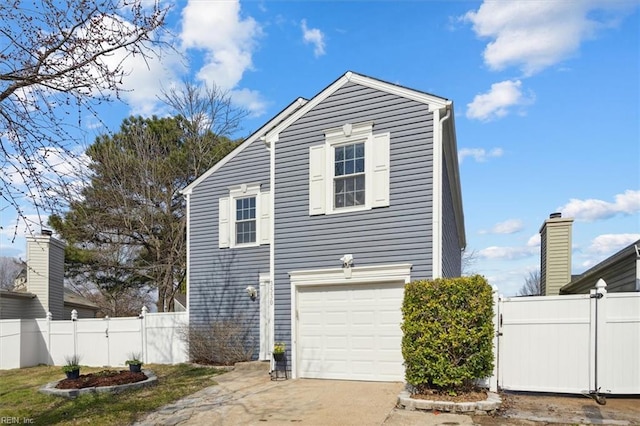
(297,104)
(273,134)
(17,294)
(434,102)
(453,169)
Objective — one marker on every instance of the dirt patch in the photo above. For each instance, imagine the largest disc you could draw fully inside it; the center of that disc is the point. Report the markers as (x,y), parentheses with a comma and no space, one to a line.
(101,379)
(524,408)
(468,396)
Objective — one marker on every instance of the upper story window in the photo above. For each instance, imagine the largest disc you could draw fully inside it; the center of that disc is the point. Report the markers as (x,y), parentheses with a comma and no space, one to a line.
(246,220)
(350,171)
(244,217)
(349,176)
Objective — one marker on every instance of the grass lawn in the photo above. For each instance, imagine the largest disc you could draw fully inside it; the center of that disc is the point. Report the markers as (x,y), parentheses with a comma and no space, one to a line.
(21,402)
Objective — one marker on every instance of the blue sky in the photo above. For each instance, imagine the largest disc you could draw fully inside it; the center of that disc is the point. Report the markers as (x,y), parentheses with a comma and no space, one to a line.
(546,97)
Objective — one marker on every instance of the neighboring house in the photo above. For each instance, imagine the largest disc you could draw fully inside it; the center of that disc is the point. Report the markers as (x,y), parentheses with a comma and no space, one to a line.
(327,211)
(621,271)
(39,288)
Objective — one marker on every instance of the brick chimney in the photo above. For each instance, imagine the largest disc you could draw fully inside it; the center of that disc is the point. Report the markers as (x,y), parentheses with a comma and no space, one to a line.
(555,254)
(45,275)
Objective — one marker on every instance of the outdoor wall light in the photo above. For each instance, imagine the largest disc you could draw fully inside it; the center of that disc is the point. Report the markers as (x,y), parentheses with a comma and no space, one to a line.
(347,262)
(252,292)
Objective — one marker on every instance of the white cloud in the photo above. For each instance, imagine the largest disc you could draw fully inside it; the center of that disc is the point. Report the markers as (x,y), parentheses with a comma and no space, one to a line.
(510,226)
(534,35)
(29,224)
(251,100)
(601,248)
(590,210)
(313,36)
(146,80)
(479,154)
(507,253)
(227,39)
(608,244)
(534,240)
(498,101)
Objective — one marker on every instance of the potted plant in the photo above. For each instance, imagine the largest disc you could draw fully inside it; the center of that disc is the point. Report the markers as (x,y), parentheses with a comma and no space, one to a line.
(72,366)
(278,351)
(134,362)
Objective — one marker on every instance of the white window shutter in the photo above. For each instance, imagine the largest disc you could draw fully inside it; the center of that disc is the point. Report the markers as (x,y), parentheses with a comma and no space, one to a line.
(381,167)
(317,172)
(265,217)
(223,223)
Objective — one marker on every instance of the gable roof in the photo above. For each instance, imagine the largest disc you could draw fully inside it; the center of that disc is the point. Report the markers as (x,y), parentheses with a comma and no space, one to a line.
(73,299)
(282,115)
(434,102)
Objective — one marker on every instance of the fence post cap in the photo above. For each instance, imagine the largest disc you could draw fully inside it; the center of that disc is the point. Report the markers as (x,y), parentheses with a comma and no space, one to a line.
(601,284)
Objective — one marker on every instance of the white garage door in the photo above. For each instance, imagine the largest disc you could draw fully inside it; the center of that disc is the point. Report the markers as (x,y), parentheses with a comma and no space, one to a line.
(350,332)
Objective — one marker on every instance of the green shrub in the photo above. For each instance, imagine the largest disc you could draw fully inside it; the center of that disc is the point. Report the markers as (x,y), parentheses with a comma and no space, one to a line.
(448,333)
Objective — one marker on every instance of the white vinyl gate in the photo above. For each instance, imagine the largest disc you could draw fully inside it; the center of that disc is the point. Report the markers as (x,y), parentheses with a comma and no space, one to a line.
(571,343)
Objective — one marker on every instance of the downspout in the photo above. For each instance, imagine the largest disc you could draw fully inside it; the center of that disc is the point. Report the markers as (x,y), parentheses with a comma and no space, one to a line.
(270,143)
(188,236)
(438,161)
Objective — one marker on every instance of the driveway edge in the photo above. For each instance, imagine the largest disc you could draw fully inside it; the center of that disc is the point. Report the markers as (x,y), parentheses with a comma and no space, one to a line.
(488,406)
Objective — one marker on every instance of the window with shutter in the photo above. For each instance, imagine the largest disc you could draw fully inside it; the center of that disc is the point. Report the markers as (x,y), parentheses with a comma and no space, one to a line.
(244,217)
(350,171)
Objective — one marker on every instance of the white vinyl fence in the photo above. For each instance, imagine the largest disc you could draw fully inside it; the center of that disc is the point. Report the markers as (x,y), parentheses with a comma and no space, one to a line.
(571,343)
(98,341)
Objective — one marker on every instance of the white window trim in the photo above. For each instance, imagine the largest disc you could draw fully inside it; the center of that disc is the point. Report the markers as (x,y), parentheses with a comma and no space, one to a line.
(237,192)
(347,135)
(263,215)
(386,273)
(322,168)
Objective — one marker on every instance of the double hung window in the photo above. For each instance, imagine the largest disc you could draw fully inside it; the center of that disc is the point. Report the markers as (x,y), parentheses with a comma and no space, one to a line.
(349,176)
(350,171)
(246,220)
(244,217)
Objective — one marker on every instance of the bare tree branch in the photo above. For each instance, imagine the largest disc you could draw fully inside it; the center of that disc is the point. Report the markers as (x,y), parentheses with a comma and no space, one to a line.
(532,285)
(469,258)
(60,58)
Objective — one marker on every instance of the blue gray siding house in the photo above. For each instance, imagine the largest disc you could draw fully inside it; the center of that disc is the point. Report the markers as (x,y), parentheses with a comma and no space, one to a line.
(355,193)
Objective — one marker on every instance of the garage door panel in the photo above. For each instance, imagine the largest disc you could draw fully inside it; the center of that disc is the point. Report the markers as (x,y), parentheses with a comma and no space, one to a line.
(362,343)
(363,318)
(336,318)
(336,343)
(354,332)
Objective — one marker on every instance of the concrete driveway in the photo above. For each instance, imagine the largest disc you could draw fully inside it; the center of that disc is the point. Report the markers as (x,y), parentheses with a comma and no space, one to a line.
(247,396)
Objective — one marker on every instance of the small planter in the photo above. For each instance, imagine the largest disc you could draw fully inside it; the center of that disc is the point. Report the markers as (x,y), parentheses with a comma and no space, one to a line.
(73,374)
(135,368)
(134,362)
(72,367)
(279,357)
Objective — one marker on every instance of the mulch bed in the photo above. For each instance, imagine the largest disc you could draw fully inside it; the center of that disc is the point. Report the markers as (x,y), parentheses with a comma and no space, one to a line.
(473,395)
(102,378)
